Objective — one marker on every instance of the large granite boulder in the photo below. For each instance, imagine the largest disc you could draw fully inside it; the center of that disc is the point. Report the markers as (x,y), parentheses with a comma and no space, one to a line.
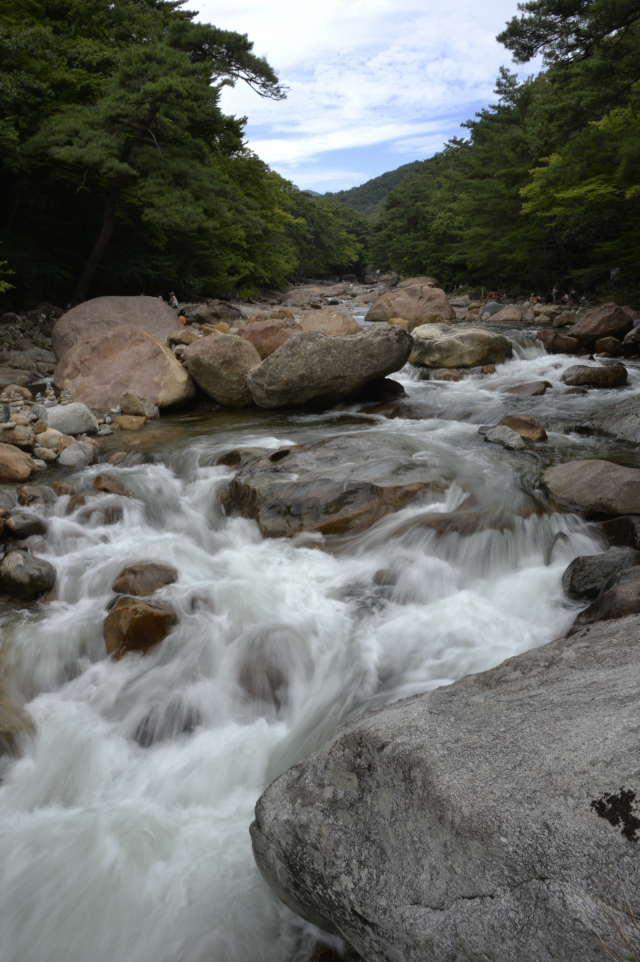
(420,302)
(268,334)
(603,376)
(102,315)
(332,486)
(555,342)
(15,465)
(98,372)
(215,310)
(314,368)
(422,281)
(335,323)
(220,365)
(485,820)
(606,320)
(513,314)
(438,345)
(594,487)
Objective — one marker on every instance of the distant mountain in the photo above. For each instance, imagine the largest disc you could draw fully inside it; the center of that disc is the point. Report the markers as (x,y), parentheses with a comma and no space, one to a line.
(369,197)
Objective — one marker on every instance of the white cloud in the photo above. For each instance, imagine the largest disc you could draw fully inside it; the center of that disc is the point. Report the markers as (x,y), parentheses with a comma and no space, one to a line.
(396,77)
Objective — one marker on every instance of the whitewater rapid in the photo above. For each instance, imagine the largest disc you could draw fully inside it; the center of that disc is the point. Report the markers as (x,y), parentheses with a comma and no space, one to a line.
(124,825)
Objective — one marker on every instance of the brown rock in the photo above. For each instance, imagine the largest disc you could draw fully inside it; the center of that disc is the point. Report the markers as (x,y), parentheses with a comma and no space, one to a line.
(77,501)
(220,365)
(268,335)
(133,403)
(20,389)
(334,323)
(144,579)
(220,328)
(618,601)
(594,487)
(213,311)
(446,374)
(284,314)
(609,345)
(61,488)
(40,427)
(15,723)
(488,369)
(31,494)
(111,485)
(526,427)
(15,465)
(557,343)
(65,442)
(20,437)
(422,281)
(97,372)
(101,316)
(428,305)
(183,335)
(512,314)
(134,625)
(408,326)
(580,375)
(128,422)
(623,531)
(606,320)
(21,419)
(530,389)
(118,457)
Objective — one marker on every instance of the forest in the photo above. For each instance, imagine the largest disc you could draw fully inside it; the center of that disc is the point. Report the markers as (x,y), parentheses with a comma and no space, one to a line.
(369,198)
(119,172)
(545,186)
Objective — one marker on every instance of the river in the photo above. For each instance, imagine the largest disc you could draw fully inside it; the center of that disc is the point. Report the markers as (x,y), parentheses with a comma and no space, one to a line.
(124,825)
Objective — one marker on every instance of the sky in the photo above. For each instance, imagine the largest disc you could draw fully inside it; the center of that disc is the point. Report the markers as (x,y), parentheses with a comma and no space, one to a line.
(373,84)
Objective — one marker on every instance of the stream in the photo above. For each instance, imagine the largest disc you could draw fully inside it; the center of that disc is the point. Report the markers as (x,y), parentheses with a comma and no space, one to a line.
(124,825)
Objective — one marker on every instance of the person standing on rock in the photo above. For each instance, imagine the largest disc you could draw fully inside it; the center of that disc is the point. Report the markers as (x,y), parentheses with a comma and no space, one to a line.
(173,300)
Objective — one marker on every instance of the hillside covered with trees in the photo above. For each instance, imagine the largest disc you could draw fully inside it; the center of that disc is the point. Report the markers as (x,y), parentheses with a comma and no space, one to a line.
(546,184)
(369,197)
(119,173)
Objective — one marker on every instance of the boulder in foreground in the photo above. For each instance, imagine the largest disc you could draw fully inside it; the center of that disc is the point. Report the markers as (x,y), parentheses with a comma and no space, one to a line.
(314,368)
(338,485)
(603,376)
(594,487)
(24,576)
(98,372)
(478,821)
(429,305)
(220,364)
(438,345)
(15,465)
(103,315)
(135,625)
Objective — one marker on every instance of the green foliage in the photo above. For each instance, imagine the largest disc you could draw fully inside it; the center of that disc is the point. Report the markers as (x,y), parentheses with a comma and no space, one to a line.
(369,198)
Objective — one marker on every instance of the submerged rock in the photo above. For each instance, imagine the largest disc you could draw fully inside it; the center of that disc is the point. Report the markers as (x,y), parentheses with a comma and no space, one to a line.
(135,625)
(440,346)
(24,576)
(477,821)
(530,389)
(317,369)
(110,485)
(332,486)
(594,487)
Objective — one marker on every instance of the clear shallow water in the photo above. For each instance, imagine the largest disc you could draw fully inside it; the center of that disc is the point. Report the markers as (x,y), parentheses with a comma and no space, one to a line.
(124,826)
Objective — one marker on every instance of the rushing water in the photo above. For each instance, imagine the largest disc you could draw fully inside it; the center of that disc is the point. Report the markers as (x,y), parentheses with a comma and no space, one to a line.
(124,825)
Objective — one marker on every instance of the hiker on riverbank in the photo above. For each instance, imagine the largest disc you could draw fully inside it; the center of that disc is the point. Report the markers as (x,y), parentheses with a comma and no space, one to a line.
(173,300)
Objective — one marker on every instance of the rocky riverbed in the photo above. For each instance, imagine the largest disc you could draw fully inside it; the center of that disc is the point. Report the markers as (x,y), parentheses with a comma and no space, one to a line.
(203,592)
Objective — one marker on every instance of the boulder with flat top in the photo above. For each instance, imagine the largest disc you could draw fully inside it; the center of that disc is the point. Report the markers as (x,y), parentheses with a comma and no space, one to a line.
(102,315)
(441,346)
(420,302)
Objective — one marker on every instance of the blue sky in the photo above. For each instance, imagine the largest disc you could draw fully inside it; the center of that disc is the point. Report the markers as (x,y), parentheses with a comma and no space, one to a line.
(373,83)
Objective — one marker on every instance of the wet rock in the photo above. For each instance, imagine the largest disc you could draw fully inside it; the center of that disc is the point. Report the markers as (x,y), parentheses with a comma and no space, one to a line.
(65,442)
(606,320)
(135,404)
(23,525)
(98,372)
(101,316)
(618,601)
(32,494)
(440,346)
(587,576)
(61,488)
(135,625)
(76,501)
(579,375)
(110,485)
(526,427)
(622,531)
(631,342)
(332,486)
(334,323)
(488,369)
(609,345)
(446,374)
(464,822)
(418,302)
(221,365)
(268,656)
(380,391)
(556,343)
(594,487)
(117,457)
(24,576)
(44,454)
(144,578)
(530,389)
(128,422)
(15,723)
(313,368)
(508,438)
(621,421)
(71,419)
(78,456)
(16,466)
(20,437)
(268,335)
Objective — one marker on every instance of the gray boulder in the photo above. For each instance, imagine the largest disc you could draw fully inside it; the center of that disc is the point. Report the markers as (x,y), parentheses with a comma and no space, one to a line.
(587,576)
(482,821)
(622,421)
(491,308)
(505,436)
(315,368)
(438,345)
(133,403)
(25,576)
(78,455)
(594,487)
(220,364)
(610,375)
(23,525)
(75,418)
